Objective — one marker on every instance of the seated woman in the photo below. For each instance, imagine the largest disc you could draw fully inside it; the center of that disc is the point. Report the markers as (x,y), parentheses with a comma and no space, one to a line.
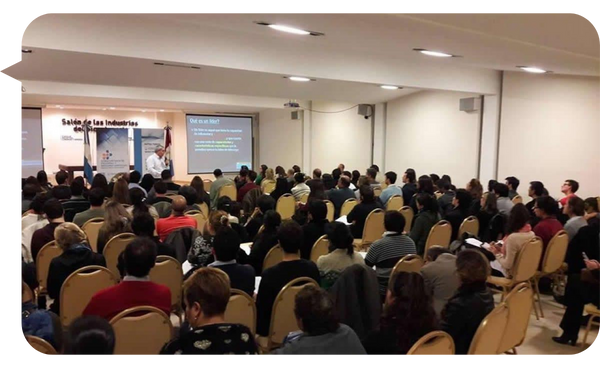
(138,204)
(207,293)
(425,218)
(201,195)
(358,216)
(267,179)
(120,192)
(407,316)
(116,221)
(591,211)
(201,253)
(341,254)
(488,210)
(264,241)
(90,335)
(321,332)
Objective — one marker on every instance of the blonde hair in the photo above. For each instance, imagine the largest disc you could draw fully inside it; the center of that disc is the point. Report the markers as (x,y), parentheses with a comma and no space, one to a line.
(116,218)
(270,174)
(67,234)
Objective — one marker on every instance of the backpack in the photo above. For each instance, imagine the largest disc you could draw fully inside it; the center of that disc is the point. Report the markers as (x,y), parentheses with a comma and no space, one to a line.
(41,323)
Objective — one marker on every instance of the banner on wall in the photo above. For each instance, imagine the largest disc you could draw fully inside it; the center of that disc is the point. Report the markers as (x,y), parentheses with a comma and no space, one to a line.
(112,151)
(145,142)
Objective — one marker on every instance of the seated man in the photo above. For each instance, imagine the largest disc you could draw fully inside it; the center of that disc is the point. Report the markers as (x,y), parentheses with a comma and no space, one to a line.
(569,188)
(300,188)
(459,211)
(574,209)
(340,195)
(167,178)
(136,289)
(160,193)
(276,277)
(96,198)
(447,198)
(264,203)
(62,191)
(512,183)
(392,189)
(177,220)
(226,245)
(248,186)
(54,213)
(439,273)
(545,208)
(358,216)
(503,203)
(143,226)
(134,181)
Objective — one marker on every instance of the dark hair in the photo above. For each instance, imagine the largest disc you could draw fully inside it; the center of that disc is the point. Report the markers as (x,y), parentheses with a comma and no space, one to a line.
(411,175)
(100,181)
(347,173)
(447,177)
(410,313)
(428,201)
(226,244)
(394,221)
(53,209)
(574,185)
(77,186)
(135,177)
(140,256)
(235,209)
(42,178)
(281,188)
(198,184)
(328,181)
(166,174)
(61,177)
(271,221)
(491,203)
(290,236)
(501,189)
(265,202)
(434,178)
(355,176)
(476,189)
(30,190)
(252,175)
(577,206)
(296,168)
(280,171)
(316,309)
(90,335)
(37,204)
(299,177)
(217,173)
(518,217)
(189,193)
(392,176)
(244,171)
(464,198)
(96,197)
(434,252)
(61,192)
(491,184)
(317,209)
(443,184)
(371,173)
(137,198)
(224,204)
(367,194)
(547,204)
(317,173)
(591,203)
(375,167)
(425,184)
(336,173)
(32,180)
(472,267)
(514,182)
(339,237)
(538,187)
(143,224)
(147,182)
(160,187)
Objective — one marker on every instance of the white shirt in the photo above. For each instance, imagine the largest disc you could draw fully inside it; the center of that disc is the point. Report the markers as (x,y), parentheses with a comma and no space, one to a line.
(155,165)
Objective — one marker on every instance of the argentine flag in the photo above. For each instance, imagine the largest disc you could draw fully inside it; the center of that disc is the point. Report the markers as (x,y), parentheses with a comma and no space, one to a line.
(88,173)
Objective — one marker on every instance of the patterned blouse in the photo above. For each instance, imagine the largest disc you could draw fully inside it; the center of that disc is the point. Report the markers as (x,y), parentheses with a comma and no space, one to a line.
(200,251)
(220,338)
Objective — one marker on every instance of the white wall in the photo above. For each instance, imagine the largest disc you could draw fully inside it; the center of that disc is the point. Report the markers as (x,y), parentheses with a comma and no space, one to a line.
(550,126)
(427,132)
(280,139)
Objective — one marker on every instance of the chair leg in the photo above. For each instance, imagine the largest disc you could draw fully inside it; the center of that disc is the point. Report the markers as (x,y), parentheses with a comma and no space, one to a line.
(587,329)
(537,292)
(514,351)
(533,301)
(504,292)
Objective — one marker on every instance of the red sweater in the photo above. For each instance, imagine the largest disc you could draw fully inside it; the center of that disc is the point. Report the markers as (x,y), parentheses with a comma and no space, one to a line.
(546,229)
(109,302)
(165,226)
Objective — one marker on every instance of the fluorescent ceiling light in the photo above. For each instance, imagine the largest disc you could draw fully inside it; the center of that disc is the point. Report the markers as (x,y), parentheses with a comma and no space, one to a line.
(161,110)
(112,108)
(300,79)
(389,87)
(143,110)
(532,69)
(26,51)
(287,29)
(434,53)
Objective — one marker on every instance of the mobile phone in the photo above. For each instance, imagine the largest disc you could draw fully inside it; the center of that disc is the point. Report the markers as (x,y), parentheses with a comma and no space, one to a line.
(585,257)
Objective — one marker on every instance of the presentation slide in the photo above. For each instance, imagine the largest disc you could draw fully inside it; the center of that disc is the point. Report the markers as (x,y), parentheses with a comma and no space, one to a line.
(31,142)
(223,142)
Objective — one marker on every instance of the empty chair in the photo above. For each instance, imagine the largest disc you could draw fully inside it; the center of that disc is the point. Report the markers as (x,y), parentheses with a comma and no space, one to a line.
(320,248)
(490,332)
(519,302)
(373,230)
(91,228)
(40,344)
(113,248)
(552,261)
(330,210)
(272,258)
(167,271)
(408,214)
(228,190)
(348,206)
(141,330)
(200,219)
(439,234)
(395,203)
(469,225)
(241,309)
(434,343)
(42,263)
(286,206)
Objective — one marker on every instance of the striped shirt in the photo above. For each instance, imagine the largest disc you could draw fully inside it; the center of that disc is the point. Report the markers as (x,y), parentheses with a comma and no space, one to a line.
(386,252)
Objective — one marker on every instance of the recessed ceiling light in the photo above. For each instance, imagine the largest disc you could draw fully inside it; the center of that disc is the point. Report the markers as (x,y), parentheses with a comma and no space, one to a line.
(389,87)
(112,108)
(288,29)
(161,110)
(532,69)
(434,53)
(300,79)
(26,51)
(143,110)
(104,108)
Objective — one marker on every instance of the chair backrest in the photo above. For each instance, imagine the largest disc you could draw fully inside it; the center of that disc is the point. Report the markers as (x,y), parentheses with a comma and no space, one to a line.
(113,248)
(528,260)
(42,262)
(377,191)
(91,228)
(469,225)
(517,199)
(286,206)
(200,219)
(241,309)
(164,209)
(141,330)
(207,184)
(395,203)
(434,343)
(439,234)
(171,194)
(78,289)
(40,344)
(320,248)
(283,319)
(490,332)
(348,206)
(27,294)
(273,257)
(555,252)
(519,302)
(330,210)
(167,271)
(409,215)
(374,227)
(304,198)
(204,208)
(228,190)
(269,187)
(408,263)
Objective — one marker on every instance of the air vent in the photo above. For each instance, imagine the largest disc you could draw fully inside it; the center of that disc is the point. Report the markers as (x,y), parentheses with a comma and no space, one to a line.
(177,65)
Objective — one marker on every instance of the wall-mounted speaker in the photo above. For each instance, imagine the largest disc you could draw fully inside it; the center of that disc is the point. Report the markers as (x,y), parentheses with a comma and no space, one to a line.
(470,104)
(297,114)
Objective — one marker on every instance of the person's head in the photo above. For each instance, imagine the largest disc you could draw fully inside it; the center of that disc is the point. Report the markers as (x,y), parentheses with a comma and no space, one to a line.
(434,252)
(317,210)
(490,204)
(42,177)
(362,180)
(198,184)
(280,171)
(265,202)
(425,185)
(390,177)
(290,236)
(90,335)
(100,181)
(165,175)
(336,173)
(545,206)
(518,217)
(263,169)
(224,204)
(410,176)
(121,191)
(178,205)
(575,207)
(315,311)
(296,168)
(344,182)
(299,178)
(30,190)
(135,177)
(371,173)
(96,197)
(226,244)
(137,198)
(207,294)
(447,177)
(512,183)
(37,204)
(462,199)
(189,193)
(570,186)
(252,176)
(491,185)
(317,174)
(271,221)
(116,216)
(427,202)
(434,178)
(590,205)
(269,174)
(366,194)
(147,182)
(217,220)
(355,176)
(394,221)
(217,173)
(475,188)
(140,256)
(143,224)
(328,181)
(53,209)
(32,180)
(443,185)
(472,267)
(243,173)
(61,177)
(290,173)
(536,189)
(501,190)
(160,187)
(68,234)
(339,237)
(342,167)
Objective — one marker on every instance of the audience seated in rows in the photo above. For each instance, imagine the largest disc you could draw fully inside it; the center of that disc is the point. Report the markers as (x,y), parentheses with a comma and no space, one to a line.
(300,188)
(191,196)
(489,209)
(160,193)
(220,181)
(341,254)
(269,178)
(226,205)
(358,216)
(143,226)
(226,246)
(96,198)
(248,186)
(147,183)
(446,200)
(242,178)
(426,216)
(29,193)
(439,273)
(424,185)
(261,174)
(42,179)
(35,212)
(177,220)
(536,189)
(100,181)
(61,191)
(91,335)
(409,189)
(392,189)
(475,188)
(116,221)
(264,241)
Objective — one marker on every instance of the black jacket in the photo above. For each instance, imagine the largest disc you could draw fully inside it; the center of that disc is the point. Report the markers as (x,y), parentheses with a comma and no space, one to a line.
(455,217)
(464,312)
(408,191)
(359,214)
(240,276)
(261,246)
(311,232)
